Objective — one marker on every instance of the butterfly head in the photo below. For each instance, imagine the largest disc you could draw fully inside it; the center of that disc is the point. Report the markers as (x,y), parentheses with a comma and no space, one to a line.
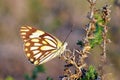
(62,48)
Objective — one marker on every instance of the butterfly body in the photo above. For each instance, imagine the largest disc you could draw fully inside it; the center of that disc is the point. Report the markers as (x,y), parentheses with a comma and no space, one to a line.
(40,46)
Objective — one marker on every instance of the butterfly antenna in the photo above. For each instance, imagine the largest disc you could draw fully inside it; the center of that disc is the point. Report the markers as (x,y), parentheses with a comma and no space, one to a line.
(68,35)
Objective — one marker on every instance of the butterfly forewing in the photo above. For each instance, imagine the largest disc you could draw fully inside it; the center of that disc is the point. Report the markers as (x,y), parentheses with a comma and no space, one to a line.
(39,46)
(28,32)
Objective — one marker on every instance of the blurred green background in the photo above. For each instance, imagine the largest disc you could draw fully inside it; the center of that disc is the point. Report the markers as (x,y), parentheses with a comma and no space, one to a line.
(55,17)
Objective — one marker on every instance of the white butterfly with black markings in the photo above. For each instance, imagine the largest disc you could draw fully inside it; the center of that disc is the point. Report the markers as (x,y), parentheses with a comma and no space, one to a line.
(40,46)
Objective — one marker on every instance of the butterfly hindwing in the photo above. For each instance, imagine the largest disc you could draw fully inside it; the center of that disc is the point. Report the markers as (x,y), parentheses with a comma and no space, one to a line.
(36,50)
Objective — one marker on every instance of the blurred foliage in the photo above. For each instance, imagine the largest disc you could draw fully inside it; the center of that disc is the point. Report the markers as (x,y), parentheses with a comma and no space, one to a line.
(9,78)
(89,74)
(4,9)
(48,78)
(35,11)
(97,36)
(80,43)
(55,23)
(99,18)
(42,16)
(38,69)
(98,31)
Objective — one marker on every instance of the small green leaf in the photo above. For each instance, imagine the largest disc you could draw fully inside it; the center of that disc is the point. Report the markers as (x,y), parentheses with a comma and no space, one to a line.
(97,36)
(27,77)
(80,43)
(9,78)
(40,68)
(36,70)
(34,73)
(90,74)
(48,78)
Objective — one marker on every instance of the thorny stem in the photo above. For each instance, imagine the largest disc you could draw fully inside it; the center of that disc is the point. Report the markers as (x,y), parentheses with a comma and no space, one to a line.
(105,13)
(83,54)
(103,55)
(79,62)
(90,16)
(104,43)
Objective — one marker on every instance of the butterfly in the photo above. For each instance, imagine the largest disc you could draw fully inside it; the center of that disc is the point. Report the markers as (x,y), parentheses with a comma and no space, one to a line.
(40,46)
